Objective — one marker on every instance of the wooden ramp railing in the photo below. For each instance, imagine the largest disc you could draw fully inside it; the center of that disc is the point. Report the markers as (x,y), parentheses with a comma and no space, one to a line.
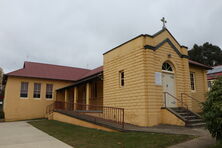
(112,116)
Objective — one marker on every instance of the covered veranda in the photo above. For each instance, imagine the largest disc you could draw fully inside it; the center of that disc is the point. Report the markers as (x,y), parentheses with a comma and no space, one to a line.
(85,94)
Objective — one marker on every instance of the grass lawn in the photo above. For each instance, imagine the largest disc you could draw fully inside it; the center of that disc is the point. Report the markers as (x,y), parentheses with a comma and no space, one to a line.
(81,137)
(217,146)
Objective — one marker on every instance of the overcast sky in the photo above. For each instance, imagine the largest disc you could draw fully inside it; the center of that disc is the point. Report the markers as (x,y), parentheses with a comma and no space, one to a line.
(77,32)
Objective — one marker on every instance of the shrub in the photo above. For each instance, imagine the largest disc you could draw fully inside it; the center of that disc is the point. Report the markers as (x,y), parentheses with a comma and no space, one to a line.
(212,110)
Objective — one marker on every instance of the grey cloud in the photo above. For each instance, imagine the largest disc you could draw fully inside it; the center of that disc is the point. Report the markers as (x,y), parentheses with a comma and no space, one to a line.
(78,32)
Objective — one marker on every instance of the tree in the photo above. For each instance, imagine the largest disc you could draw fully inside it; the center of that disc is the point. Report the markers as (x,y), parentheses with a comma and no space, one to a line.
(207,54)
(212,110)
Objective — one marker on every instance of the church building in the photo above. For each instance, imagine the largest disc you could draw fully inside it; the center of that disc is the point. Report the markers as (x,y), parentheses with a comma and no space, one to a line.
(146,81)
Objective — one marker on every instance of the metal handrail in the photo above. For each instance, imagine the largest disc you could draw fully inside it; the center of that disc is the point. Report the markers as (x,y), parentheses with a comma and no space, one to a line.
(165,98)
(182,94)
(111,114)
(49,109)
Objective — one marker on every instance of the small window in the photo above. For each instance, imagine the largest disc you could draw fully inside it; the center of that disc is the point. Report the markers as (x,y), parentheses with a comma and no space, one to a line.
(37,90)
(192,80)
(24,90)
(49,88)
(121,74)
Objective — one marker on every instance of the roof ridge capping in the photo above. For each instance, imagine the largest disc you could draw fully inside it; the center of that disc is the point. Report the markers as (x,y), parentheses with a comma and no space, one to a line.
(152,36)
(49,71)
(165,29)
(199,64)
(27,62)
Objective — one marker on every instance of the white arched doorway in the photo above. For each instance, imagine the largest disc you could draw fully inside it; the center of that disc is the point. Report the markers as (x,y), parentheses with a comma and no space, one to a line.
(168,81)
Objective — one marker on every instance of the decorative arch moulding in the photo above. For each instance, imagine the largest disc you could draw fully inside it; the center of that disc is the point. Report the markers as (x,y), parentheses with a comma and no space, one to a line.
(167,40)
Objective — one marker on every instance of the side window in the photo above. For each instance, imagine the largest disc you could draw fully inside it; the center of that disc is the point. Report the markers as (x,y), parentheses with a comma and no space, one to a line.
(24,90)
(49,88)
(192,81)
(121,78)
(209,84)
(37,90)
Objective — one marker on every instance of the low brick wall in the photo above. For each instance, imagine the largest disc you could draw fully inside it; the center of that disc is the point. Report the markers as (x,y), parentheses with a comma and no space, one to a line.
(67,119)
(171,119)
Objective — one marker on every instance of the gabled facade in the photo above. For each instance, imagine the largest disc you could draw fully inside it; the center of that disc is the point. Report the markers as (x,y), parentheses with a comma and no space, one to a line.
(143,82)
(142,60)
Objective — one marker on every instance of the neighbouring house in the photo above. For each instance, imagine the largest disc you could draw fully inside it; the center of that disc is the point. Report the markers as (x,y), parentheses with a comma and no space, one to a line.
(1,86)
(145,81)
(1,78)
(213,74)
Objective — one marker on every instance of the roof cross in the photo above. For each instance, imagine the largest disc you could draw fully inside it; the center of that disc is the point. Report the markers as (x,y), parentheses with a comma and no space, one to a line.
(164,22)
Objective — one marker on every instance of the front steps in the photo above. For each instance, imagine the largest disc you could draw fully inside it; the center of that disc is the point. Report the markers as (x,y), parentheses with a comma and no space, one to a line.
(190,118)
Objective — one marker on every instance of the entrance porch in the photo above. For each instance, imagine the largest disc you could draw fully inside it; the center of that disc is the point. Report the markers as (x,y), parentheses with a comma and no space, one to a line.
(86,96)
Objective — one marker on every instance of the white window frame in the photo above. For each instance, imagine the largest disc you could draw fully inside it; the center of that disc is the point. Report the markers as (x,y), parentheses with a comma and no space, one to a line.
(27,91)
(49,92)
(38,90)
(194,81)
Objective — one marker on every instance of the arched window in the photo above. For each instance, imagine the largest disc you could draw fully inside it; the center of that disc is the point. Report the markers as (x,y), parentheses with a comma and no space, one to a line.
(167,67)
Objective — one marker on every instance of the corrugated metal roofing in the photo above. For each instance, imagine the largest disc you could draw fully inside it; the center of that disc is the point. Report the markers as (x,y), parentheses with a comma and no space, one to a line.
(216,69)
(48,71)
(199,64)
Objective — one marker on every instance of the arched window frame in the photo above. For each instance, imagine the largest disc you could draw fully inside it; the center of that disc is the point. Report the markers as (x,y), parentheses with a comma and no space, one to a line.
(167,67)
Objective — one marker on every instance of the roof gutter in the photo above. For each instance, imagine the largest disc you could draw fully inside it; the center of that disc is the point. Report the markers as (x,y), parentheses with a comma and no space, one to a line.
(82,81)
(201,66)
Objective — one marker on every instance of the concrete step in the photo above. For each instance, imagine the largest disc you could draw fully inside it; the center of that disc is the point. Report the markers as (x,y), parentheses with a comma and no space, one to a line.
(200,124)
(180,111)
(185,114)
(196,120)
(192,120)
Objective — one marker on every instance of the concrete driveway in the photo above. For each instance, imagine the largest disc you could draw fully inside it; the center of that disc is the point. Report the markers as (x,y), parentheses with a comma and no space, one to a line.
(23,135)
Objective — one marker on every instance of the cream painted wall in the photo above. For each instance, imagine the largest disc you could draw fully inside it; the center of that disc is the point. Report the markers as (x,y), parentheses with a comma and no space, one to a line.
(200,87)
(17,108)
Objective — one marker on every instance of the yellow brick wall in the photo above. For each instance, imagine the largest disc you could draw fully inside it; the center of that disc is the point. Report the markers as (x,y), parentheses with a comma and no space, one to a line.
(153,63)
(170,119)
(200,87)
(140,97)
(1,77)
(17,108)
(131,97)
(67,119)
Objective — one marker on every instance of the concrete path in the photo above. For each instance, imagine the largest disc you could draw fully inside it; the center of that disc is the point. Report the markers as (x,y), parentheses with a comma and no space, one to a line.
(23,135)
(204,139)
(202,142)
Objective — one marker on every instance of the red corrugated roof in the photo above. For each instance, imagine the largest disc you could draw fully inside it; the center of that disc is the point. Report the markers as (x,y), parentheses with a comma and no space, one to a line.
(48,71)
(214,76)
(199,64)
(93,72)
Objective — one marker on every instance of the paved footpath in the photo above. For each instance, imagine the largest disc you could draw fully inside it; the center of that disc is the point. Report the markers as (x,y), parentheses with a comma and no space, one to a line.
(23,135)
(204,139)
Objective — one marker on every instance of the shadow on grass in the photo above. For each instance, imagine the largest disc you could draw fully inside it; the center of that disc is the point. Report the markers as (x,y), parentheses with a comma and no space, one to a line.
(81,137)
